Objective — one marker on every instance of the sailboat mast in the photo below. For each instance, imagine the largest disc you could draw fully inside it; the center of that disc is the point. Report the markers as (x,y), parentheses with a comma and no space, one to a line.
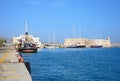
(49,39)
(53,38)
(73,31)
(80,30)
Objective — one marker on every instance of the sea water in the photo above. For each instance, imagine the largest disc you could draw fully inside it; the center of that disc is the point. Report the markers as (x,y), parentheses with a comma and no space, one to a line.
(78,64)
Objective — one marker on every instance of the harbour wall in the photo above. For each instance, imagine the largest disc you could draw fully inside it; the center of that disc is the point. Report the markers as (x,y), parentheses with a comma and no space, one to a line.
(87,42)
(10,67)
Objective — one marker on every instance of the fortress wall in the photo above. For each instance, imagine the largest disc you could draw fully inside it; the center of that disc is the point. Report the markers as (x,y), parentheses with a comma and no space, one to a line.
(73,41)
(90,42)
(87,42)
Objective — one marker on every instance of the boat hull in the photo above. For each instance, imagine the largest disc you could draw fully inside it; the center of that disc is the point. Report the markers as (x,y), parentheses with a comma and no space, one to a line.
(27,50)
(80,46)
(98,46)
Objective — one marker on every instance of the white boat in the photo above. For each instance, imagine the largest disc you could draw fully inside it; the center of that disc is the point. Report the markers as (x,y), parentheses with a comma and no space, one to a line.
(51,46)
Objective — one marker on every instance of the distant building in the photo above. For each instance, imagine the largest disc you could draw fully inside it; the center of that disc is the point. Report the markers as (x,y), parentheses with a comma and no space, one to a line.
(87,42)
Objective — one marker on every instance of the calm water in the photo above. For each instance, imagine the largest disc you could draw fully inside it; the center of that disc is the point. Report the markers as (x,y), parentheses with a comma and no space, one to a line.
(75,64)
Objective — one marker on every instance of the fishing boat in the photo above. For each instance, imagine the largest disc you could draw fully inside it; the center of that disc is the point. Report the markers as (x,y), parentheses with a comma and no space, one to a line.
(27,48)
(26,44)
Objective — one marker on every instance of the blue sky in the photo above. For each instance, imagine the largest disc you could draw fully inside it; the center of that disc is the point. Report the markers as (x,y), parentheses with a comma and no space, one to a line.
(96,18)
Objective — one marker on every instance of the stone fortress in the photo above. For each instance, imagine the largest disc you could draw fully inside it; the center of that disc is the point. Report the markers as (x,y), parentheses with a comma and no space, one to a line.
(87,42)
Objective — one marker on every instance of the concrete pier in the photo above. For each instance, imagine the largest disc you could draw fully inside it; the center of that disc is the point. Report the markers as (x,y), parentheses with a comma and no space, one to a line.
(10,68)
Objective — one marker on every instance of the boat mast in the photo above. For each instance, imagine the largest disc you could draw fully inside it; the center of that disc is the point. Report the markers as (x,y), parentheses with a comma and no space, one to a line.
(26,32)
(53,38)
(49,39)
(73,31)
(80,32)
(26,29)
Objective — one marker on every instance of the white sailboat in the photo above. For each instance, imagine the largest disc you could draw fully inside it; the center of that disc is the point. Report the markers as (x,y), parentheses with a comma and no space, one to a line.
(53,44)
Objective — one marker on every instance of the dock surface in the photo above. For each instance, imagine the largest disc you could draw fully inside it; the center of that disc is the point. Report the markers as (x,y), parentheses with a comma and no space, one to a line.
(10,68)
